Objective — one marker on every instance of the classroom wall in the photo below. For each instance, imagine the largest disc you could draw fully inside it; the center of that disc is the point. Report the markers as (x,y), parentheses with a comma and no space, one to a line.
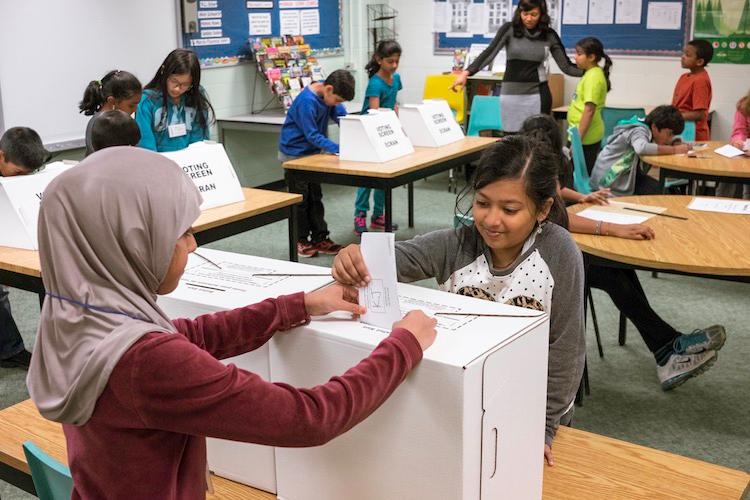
(636,81)
(230,89)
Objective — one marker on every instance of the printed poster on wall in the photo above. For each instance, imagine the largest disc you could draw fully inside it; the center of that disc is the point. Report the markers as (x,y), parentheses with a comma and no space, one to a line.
(726,24)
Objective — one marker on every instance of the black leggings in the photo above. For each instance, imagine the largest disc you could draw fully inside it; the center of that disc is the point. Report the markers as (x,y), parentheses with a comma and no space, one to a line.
(625,290)
(590,152)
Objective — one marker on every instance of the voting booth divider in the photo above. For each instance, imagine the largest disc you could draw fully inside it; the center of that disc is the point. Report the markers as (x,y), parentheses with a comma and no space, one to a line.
(374,137)
(20,197)
(430,124)
(207,165)
(468,422)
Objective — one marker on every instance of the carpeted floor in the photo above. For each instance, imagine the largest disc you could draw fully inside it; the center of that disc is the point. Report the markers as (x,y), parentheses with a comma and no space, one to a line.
(707,418)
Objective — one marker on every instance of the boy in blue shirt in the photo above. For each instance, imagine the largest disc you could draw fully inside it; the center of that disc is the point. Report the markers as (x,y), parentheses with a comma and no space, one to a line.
(305,133)
(21,153)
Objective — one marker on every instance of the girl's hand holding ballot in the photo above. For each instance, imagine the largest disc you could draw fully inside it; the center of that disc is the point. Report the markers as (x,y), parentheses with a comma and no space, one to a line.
(335,297)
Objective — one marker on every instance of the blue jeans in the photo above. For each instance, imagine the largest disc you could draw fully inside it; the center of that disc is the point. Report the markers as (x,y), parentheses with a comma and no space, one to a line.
(362,203)
(11,342)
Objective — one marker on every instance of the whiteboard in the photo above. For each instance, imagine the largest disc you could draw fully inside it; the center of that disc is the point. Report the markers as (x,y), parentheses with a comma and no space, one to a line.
(51,49)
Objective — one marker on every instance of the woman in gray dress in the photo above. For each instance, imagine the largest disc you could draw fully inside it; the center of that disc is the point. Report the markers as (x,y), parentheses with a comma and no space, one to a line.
(528,40)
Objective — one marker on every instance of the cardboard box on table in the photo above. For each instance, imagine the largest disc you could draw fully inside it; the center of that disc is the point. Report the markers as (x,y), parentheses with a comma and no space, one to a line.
(205,289)
(467,423)
(373,137)
(207,165)
(20,197)
(430,124)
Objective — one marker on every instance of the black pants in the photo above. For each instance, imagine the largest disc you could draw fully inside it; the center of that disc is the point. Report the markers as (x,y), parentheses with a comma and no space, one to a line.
(590,152)
(310,213)
(11,342)
(645,184)
(625,290)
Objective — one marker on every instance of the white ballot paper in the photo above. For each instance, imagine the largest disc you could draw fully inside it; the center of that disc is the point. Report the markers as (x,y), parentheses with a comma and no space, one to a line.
(380,296)
(729,151)
(723,205)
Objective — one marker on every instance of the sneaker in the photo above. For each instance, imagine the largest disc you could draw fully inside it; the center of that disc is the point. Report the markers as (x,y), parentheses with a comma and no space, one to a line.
(360,223)
(680,367)
(306,249)
(20,360)
(711,338)
(378,223)
(327,247)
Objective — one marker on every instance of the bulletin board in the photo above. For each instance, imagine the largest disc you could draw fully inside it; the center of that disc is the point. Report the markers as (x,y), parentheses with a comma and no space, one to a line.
(629,27)
(625,27)
(224,27)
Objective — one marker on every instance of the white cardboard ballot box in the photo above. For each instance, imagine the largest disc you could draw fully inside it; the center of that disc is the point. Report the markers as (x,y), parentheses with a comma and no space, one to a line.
(205,289)
(208,166)
(467,423)
(373,137)
(20,197)
(430,124)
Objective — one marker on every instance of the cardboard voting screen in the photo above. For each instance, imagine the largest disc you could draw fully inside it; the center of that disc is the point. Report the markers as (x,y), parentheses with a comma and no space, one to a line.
(19,205)
(374,137)
(430,124)
(208,166)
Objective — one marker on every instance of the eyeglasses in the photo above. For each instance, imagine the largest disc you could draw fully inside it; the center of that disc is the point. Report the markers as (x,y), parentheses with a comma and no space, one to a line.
(174,82)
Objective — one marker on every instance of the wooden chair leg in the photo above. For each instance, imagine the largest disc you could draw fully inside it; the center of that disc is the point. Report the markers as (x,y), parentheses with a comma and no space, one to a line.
(622,332)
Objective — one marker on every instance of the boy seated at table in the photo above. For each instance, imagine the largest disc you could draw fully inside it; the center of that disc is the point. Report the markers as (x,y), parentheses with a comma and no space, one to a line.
(618,166)
(114,128)
(21,153)
(305,132)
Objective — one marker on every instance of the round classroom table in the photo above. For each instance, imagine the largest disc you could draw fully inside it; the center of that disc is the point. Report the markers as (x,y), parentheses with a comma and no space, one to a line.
(708,244)
(707,165)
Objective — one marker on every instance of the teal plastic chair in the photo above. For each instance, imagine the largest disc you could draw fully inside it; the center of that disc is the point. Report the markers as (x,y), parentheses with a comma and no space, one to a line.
(52,479)
(688,133)
(580,174)
(485,114)
(611,116)
(462,220)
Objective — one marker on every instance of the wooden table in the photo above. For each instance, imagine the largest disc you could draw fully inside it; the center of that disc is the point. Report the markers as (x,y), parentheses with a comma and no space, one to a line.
(20,268)
(708,165)
(588,466)
(326,168)
(708,244)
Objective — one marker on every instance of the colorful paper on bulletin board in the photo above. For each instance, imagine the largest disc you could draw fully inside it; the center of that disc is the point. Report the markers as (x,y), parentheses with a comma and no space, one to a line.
(726,24)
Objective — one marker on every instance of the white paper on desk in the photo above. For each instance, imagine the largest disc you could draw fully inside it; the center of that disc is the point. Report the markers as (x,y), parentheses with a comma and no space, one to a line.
(729,151)
(722,205)
(380,296)
(623,204)
(614,217)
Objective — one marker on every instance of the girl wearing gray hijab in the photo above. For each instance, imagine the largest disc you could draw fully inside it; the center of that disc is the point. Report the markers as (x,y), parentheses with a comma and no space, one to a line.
(136,392)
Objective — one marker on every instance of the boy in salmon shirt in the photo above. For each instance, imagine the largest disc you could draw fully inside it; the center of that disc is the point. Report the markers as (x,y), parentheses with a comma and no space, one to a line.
(692,94)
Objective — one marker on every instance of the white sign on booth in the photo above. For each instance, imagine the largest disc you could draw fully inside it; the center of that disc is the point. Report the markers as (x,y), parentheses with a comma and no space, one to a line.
(20,197)
(208,166)
(373,137)
(430,124)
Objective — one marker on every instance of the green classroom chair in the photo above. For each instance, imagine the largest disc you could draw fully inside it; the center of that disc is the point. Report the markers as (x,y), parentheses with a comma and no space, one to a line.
(688,133)
(462,220)
(52,480)
(485,114)
(580,174)
(612,116)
